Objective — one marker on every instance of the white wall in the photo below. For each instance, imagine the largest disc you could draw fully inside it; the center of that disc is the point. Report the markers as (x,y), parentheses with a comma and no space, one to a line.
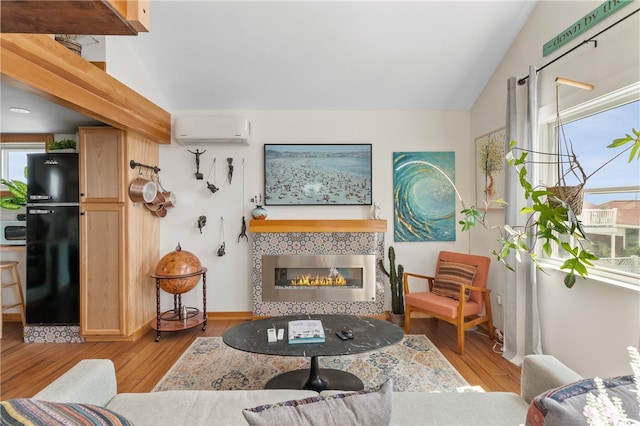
(229,276)
(596,349)
(124,65)
(587,327)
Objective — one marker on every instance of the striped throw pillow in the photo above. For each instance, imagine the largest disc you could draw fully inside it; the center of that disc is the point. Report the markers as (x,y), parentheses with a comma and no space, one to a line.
(450,277)
(27,412)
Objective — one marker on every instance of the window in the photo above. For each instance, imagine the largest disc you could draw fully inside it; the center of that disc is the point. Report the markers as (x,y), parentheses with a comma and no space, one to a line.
(611,210)
(13,154)
(14,159)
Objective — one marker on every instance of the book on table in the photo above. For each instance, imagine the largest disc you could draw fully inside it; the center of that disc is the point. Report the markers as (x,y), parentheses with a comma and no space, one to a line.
(306,331)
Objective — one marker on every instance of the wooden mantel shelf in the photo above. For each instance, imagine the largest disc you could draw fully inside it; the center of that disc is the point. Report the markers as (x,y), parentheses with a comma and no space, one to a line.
(311,225)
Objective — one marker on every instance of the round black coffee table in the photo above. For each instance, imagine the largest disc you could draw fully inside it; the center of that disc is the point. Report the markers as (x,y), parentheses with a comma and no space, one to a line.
(368,334)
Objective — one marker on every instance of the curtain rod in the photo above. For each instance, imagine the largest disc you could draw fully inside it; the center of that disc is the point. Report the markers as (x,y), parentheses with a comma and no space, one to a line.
(589,40)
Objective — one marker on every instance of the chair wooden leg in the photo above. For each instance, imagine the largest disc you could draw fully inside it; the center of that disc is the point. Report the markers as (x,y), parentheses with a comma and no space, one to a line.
(460,325)
(487,308)
(407,320)
(461,339)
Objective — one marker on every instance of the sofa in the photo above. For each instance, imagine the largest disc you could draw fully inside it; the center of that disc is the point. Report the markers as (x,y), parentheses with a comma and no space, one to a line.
(93,381)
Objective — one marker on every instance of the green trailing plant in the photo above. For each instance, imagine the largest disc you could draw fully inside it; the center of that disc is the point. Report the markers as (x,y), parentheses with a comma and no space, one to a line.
(18,197)
(550,224)
(634,149)
(395,280)
(61,144)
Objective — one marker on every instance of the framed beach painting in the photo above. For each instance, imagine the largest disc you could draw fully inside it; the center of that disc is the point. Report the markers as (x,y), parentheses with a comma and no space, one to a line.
(317,174)
(424,196)
(490,168)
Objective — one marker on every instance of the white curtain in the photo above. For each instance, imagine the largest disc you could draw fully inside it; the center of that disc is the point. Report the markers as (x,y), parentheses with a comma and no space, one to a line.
(521,322)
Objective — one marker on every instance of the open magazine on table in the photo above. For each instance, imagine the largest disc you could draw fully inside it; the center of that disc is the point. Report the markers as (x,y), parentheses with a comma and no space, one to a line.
(306,331)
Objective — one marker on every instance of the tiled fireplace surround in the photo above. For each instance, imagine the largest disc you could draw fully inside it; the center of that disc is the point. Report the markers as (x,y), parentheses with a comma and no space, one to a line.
(316,237)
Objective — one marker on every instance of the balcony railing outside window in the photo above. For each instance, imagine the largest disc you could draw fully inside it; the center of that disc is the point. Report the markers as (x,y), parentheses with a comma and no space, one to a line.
(598,217)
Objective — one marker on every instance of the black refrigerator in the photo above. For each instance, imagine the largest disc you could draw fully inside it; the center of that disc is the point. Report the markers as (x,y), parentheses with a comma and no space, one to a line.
(53,225)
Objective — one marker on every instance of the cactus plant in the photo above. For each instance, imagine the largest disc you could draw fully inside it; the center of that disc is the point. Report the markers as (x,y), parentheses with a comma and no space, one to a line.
(395,280)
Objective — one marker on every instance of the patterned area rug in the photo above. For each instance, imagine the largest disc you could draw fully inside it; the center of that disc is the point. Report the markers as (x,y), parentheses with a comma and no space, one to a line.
(415,364)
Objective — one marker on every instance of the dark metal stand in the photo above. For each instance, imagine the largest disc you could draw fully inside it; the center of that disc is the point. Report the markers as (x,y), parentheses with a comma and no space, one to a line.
(316,379)
(180,317)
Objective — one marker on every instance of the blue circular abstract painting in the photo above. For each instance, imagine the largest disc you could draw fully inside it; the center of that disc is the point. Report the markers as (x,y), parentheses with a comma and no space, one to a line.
(424,196)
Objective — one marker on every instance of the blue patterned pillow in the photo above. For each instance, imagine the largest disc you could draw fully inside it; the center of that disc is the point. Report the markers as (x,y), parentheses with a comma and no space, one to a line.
(565,405)
(366,407)
(25,411)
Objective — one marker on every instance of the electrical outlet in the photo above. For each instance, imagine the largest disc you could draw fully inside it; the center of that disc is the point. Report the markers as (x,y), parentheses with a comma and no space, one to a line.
(499,335)
(499,299)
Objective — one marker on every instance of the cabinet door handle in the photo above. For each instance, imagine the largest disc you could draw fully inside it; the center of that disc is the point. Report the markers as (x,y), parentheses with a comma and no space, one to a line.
(81,213)
(82,194)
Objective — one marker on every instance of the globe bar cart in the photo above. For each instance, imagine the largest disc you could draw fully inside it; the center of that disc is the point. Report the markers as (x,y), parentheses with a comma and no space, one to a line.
(176,273)
(181,317)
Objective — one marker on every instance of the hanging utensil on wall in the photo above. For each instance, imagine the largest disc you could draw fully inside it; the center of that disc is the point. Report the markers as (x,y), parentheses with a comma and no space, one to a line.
(230,169)
(243,231)
(202,221)
(142,189)
(169,196)
(243,228)
(221,251)
(212,186)
(198,154)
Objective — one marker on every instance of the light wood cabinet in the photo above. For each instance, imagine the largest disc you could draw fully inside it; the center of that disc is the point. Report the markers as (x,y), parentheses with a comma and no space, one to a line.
(102,273)
(101,164)
(117,295)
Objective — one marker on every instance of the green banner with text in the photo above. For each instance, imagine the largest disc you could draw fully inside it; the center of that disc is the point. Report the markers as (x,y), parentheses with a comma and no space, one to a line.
(585,23)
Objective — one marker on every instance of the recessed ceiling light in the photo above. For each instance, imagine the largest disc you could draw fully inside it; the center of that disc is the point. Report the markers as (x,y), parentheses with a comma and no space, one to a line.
(19,110)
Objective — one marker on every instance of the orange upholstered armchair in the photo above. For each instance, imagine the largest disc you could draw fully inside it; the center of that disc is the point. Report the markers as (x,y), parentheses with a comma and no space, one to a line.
(457,293)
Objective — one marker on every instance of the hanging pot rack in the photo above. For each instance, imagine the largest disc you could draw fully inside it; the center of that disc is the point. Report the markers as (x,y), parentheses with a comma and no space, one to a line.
(133,165)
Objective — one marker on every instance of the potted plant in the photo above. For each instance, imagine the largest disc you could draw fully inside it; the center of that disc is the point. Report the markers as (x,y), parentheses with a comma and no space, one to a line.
(397,288)
(63,145)
(18,197)
(550,219)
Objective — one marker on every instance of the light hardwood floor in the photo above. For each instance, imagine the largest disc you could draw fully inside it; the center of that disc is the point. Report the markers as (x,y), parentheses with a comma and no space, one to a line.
(26,368)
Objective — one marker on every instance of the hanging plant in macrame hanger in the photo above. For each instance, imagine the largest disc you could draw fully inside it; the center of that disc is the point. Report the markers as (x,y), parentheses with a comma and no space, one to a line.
(567,164)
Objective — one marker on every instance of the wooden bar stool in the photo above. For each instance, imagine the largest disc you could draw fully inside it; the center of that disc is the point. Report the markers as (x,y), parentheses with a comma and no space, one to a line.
(11,266)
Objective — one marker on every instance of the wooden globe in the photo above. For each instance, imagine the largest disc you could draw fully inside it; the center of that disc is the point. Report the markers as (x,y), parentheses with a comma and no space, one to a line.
(176,263)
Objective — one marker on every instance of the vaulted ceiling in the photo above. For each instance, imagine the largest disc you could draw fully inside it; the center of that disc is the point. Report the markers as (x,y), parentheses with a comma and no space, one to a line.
(329,55)
(322,55)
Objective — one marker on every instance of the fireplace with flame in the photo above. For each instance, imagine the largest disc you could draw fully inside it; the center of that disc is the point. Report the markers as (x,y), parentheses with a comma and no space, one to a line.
(301,278)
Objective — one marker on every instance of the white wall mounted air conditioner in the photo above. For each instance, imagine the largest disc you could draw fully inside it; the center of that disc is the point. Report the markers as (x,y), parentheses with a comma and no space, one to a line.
(211,130)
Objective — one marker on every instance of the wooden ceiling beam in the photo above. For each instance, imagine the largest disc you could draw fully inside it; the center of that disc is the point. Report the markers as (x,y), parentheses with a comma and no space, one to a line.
(92,17)
(41,66)
(135,11)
